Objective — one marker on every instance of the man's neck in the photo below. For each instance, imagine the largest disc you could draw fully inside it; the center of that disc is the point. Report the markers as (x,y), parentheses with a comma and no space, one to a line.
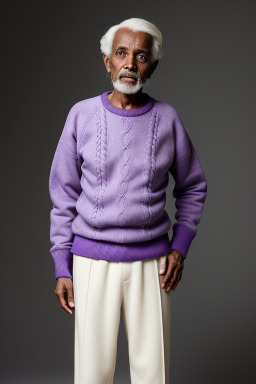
(127,101)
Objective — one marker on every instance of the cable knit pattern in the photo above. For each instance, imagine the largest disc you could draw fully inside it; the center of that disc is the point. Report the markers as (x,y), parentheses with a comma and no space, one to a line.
(101,167)
(125,171)
(150,168)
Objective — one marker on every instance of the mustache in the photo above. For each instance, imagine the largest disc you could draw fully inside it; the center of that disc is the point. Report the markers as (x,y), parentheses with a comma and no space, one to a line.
(129,73)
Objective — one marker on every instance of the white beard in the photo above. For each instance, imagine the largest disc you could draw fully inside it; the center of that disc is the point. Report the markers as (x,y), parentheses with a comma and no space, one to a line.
(125,87)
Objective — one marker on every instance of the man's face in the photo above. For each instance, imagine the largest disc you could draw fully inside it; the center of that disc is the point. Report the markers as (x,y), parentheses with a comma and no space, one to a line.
(130,63)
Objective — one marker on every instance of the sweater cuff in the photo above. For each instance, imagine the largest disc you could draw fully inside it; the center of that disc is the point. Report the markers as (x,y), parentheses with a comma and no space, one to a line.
(63,260)
(182,238)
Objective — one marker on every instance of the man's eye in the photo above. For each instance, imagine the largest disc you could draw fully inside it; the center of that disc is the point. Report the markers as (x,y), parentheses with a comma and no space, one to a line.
(142,57)
(119,52)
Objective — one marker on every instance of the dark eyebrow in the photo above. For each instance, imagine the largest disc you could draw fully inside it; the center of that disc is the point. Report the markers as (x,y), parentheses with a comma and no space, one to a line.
(121,47)
(138,50)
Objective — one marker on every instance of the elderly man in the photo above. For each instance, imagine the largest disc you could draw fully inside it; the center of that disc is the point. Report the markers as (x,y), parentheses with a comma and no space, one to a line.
(109,228)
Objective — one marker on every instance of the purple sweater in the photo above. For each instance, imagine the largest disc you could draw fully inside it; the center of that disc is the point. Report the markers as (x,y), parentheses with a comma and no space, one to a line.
(108,183)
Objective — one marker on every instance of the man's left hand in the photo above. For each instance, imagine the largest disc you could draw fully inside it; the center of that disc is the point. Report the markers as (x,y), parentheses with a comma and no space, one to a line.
(171,267)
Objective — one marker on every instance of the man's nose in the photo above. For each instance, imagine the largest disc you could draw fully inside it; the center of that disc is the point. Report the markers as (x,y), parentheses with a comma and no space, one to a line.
(130,63)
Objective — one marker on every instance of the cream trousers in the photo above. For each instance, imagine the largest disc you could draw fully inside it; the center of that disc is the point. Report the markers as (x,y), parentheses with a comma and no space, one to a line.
(101,289)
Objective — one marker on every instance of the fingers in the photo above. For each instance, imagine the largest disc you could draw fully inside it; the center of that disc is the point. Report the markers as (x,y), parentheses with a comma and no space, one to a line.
(162,267)
(70,296)
(175,265)
(172,284)
(177,281)
(64,293)
(169,273)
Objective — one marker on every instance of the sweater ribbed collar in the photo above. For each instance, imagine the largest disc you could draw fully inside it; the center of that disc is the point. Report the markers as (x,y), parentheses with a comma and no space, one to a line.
(127,112)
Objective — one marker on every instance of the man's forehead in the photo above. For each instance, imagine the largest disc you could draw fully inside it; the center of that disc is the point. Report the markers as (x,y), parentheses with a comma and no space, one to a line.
(124,36)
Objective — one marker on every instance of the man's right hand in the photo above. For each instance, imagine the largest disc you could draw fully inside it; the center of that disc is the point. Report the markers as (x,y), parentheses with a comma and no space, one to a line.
(64,292)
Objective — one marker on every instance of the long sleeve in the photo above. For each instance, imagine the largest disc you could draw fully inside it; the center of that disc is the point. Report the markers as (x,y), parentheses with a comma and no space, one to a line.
(64,189)
(189,191)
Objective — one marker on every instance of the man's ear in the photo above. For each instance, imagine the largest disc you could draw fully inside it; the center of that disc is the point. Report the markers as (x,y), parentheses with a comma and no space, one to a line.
(106,62)
(152,68)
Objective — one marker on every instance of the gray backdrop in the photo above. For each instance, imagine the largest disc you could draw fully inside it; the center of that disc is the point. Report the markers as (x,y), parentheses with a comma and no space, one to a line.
(51,60)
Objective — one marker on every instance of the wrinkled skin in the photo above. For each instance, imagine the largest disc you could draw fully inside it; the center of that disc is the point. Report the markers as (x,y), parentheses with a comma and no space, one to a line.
(64,293)
(172,265)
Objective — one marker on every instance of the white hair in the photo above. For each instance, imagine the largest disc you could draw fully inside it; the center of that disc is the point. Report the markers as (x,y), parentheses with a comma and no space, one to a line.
(135,24)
